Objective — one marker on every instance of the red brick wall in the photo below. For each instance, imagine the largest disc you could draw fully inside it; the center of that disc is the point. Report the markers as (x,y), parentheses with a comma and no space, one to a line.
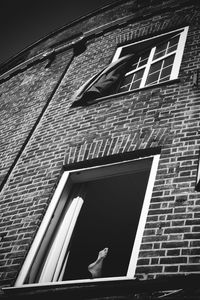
(165,116)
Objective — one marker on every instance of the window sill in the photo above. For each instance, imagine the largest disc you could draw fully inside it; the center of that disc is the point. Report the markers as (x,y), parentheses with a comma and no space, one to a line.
(168,82)
(98,290)
(73,289)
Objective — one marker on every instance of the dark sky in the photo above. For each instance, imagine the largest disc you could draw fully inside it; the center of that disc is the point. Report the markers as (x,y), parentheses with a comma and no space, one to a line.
(23,22)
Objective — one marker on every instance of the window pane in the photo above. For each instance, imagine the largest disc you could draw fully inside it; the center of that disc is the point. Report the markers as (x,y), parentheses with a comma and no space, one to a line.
(137,79)
(164,78)
(138,75)
(155,67)
(135,64)
(153,78)
(126,80)
(173,43)
(154,73)
(135,85)
(143,59)
(167,68)
(125,84)
(169,61)
(132,81)
(165,74)
(124,88)
(174,40)
(160,51)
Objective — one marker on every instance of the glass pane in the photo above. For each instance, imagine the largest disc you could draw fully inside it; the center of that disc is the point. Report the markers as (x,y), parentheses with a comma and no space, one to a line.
(153,78)
(143,59)
(138,75)
(171,49)
(173,43)
(126,80)
(143,62)
(135,85)
(174,40)
(137,79)
(160,50)
(164,78)
(169,61)
(125,83)
(135,64)
(155,67)
(166,72)
(124,88)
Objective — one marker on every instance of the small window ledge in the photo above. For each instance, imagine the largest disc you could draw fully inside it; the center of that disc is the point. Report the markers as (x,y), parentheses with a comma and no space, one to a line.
(72,289)
(116,288)
(97,100)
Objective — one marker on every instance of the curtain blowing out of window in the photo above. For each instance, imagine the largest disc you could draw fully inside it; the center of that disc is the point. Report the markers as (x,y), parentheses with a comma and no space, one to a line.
(103,83)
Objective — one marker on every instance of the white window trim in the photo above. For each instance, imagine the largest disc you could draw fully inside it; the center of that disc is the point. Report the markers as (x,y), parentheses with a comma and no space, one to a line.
(177,59)
(147,68)
(49,215)
(179,54)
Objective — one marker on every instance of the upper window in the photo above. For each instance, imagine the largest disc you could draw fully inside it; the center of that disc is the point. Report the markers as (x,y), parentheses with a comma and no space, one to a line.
(134,66)
(156,60)
(94,224)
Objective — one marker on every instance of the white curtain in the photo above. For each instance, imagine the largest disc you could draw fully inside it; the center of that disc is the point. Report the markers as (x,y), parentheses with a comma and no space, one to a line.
(56,260)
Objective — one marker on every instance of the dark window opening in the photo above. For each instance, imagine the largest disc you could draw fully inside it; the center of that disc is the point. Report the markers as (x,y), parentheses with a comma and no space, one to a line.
(108,218)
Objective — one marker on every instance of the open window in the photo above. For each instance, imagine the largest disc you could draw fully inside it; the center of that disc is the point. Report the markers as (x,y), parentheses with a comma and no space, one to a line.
(157,60)
(137,65)
(93,209)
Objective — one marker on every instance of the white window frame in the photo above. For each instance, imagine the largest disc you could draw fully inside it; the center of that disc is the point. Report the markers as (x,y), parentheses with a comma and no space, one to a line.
(64,186)
(177,60)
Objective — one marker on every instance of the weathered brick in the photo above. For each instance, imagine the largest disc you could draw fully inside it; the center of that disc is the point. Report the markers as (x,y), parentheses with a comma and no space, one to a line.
(173,260)
(153,253)
(149,269)
(171,269)
(189,268)
(173,252)
(177,244)
(176,230)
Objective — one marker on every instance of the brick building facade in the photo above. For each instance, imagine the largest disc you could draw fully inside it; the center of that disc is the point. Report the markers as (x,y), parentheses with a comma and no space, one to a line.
(139,137)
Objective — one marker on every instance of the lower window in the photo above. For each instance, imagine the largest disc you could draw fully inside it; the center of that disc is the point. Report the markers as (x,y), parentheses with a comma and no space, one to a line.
(94,224)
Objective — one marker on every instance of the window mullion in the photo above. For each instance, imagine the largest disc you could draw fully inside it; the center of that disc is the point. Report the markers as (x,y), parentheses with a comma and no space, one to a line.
(148,65)
(133,76)
(163,60)
(135,70)
(164,57)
